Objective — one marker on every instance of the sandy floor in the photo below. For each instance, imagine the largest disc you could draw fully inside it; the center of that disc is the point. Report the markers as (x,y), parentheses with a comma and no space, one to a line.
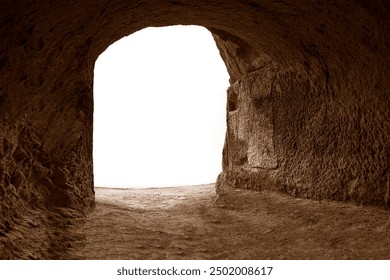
(195,223)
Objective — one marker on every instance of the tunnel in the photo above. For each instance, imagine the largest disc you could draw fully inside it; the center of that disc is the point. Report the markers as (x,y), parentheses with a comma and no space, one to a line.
(307,107)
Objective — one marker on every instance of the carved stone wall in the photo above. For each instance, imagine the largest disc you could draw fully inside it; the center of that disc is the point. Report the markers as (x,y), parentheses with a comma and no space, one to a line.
(307,111)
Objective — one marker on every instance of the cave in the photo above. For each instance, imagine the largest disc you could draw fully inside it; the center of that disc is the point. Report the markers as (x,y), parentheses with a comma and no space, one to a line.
(308,102)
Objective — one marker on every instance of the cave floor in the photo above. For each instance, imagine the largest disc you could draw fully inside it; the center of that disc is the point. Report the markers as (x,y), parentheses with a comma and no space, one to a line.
(195,223)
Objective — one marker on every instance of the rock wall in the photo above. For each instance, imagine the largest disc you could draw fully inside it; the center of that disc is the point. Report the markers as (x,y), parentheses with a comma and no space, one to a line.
(307,108)
(287,133)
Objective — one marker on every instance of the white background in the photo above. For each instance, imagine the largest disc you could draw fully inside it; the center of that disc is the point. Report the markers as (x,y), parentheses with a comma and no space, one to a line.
(160,105)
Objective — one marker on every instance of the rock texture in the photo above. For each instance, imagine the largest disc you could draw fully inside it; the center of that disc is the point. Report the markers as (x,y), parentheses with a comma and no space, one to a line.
(307,113)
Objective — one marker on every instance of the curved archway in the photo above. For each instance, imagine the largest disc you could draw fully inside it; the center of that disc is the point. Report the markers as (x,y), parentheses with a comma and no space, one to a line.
(159,109)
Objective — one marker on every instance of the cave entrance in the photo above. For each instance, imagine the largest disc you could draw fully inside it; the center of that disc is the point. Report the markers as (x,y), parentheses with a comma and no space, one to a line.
(159,112)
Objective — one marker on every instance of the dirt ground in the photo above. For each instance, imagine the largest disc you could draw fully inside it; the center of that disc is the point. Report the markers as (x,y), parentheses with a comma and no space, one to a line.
(196,223)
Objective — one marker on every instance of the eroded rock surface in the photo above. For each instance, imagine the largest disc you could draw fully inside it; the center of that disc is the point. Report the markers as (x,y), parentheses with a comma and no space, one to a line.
(195,223)
(308,109)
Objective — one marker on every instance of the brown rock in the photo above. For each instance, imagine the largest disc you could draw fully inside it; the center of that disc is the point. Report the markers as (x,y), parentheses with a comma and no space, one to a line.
(308,104)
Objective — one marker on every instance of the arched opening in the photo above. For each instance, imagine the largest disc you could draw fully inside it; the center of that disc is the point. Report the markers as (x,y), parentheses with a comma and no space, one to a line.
(159,109)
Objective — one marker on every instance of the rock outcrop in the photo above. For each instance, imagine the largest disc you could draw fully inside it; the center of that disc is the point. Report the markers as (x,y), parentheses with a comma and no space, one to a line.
(307,112)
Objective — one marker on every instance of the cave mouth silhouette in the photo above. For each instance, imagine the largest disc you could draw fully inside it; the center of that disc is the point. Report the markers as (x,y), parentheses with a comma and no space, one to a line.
(159,109)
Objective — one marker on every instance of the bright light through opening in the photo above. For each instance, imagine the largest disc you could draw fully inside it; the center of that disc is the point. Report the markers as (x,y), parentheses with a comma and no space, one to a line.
(159,113)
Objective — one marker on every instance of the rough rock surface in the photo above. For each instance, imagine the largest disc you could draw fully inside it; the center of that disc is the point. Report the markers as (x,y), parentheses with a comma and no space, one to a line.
(196,223)
(308,109)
